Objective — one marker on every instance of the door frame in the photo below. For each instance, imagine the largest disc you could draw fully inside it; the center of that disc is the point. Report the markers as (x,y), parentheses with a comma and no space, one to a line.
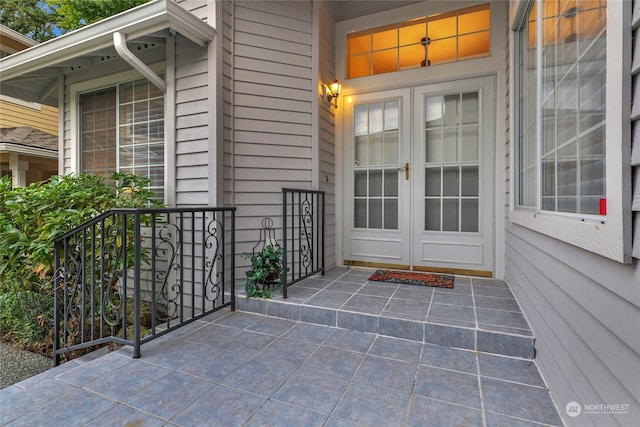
(411,91)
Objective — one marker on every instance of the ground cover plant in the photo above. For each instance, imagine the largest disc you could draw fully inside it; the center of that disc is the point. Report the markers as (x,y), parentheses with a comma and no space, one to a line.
(31,218)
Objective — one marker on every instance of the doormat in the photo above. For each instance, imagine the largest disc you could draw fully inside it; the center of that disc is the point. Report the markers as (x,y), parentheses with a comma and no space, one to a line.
(413,278)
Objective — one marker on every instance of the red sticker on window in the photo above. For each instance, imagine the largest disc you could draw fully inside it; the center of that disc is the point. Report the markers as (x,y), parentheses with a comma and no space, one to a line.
(603,206)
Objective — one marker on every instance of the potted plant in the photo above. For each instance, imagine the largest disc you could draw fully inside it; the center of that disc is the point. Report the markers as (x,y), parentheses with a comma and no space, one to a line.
(266,271)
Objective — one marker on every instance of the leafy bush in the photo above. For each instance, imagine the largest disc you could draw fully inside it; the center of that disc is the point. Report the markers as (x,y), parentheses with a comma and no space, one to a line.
(31,218)
(265,273)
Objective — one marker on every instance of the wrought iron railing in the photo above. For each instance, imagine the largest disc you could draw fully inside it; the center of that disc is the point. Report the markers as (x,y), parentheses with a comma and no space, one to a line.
(131,275)
(303,216)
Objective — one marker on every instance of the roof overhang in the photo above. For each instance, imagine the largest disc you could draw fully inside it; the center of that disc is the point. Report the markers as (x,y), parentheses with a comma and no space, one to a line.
(32,74)
(8,148)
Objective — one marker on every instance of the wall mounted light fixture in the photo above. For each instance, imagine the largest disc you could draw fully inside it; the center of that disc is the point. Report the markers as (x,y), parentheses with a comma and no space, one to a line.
(333,92)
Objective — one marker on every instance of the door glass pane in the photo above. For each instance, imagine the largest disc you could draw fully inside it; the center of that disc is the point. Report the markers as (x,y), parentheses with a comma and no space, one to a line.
(391,115)
(375,183)
(375,213)
(360,183)
(469,220)
(391,183)
(360,213)
(470,107)
(450,182)
(470,144)
(451,117)
(432,182)
(433,108)
(391,148)
(375,149)
(432,214)
(433,146)
(375,118)
(470,181)
(360,119)
(391,214)
(450,215)
(450,144)
(361,150)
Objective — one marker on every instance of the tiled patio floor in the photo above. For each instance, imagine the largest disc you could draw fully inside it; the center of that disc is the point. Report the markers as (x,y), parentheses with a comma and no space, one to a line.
(233,369)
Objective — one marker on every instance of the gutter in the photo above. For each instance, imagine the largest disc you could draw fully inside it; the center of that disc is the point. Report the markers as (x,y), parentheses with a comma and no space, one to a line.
(120,43)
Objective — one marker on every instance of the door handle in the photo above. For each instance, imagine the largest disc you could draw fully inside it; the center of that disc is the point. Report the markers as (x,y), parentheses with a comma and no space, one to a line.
(406,171)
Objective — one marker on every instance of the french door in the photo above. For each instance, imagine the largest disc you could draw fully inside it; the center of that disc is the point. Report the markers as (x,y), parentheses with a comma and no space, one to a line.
(419,177)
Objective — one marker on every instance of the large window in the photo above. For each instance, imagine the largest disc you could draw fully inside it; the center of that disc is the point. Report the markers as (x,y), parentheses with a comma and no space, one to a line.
(122,129)
(420,42)
(571,123)
(560,144)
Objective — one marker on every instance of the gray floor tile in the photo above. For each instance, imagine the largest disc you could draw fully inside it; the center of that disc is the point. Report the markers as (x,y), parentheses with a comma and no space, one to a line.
(128,380)
(170,394)
(490,291)
(458,288)
(331,361)
(330,299)
(300,293)
(497,303)
(506,368)
(397,305)
(23,401)
(211,334)
(350,340)
(247,342)
(212,364)
(497,420)
(396,348)
(312,390)
(94,370)
(259,376)
(454,312)
(288,352)
(222,406)
(450,336)
(406,328)
(520,401)
(369,405)
(450,386)
(280,414)
(240,320)
(336,422)
(414,293)
(428,412)
(453,299)
(343,286)
(508,345)
(501,318)
(378,289)
(78,408)
(449,358)
(390,373)
(272,326)
(313,283)
(309,333)
(121,415)
(356,277)
(362,322)
(365,304)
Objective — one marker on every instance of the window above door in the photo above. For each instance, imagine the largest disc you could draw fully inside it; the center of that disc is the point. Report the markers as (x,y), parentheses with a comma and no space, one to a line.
(424,41)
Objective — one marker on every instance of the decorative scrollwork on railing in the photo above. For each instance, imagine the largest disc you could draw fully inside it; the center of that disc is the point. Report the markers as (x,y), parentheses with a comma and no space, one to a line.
(306,246)
(170,240)
(214,277)
(112,266)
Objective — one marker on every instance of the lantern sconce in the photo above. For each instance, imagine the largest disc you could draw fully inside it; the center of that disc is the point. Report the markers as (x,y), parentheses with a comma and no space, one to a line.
(333,92)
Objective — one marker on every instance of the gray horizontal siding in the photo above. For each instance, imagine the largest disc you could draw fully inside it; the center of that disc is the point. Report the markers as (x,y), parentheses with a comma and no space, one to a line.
(271,109)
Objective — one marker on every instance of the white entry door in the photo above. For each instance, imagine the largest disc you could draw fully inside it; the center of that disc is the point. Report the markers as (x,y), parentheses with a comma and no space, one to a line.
(377,188)
(453,176)
(419,177)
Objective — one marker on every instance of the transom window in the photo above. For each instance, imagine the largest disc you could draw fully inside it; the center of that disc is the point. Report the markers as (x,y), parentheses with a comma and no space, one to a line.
(122,129)
(420,42)
(560,148)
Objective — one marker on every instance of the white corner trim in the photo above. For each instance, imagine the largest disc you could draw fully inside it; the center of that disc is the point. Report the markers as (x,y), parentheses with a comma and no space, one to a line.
(33,105)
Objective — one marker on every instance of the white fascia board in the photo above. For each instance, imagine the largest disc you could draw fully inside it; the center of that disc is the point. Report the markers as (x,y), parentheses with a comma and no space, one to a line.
(142,20)
(7,147)
(10,33)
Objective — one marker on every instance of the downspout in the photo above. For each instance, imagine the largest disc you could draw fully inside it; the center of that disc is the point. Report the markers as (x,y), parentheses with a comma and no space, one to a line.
(120,43)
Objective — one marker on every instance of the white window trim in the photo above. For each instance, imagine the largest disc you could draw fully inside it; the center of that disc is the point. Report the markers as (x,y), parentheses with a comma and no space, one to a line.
(76,89)
(610,236)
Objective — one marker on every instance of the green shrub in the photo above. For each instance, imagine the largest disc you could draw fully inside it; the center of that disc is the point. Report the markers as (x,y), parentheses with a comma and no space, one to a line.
(31,218)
